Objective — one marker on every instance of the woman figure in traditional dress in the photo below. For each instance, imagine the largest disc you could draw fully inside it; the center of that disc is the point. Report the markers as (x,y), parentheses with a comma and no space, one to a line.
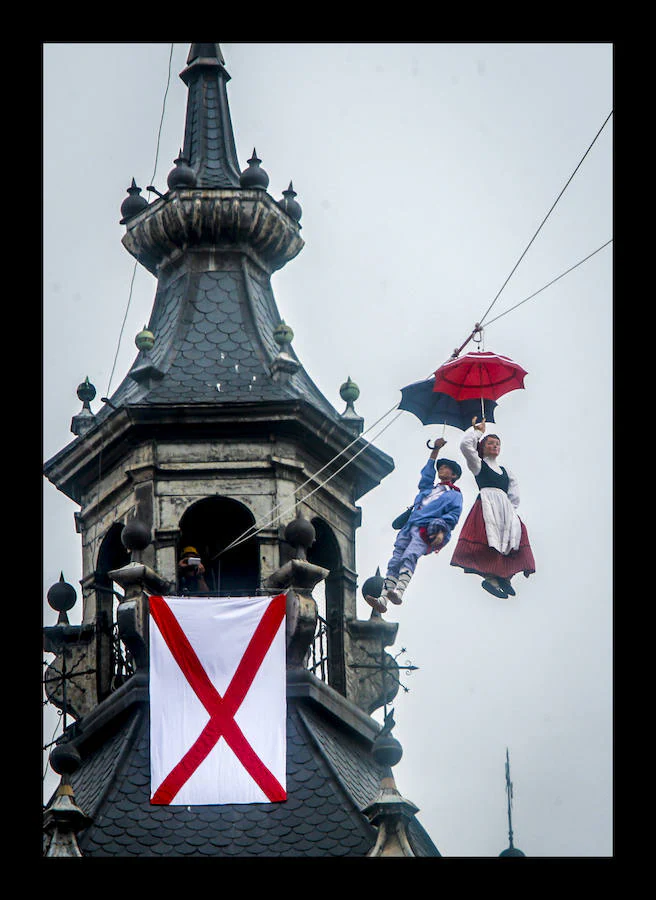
(493,541)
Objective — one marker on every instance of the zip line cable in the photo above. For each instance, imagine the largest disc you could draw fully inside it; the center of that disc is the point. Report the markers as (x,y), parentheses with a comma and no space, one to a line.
(244,537)
(136,263)
(120,334)
(553,281)
(479,324)
(161,121)
(259,526)
(546,217)
(125,316)
(307,481)
(134,271)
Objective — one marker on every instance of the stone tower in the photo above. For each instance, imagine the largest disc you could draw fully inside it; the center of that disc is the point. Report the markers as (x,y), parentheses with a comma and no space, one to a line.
(217,438)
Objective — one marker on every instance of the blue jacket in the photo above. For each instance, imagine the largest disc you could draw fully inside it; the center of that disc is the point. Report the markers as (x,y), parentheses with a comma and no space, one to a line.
(442,512)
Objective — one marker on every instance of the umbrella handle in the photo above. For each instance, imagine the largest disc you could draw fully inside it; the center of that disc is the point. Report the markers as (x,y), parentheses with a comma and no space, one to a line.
(430,446)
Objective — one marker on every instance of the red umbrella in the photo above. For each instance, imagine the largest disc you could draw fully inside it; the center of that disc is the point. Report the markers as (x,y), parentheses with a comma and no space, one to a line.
(480,374)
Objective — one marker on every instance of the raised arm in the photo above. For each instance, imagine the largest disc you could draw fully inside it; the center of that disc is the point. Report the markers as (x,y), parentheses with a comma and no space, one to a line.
(468,448)
(427,476)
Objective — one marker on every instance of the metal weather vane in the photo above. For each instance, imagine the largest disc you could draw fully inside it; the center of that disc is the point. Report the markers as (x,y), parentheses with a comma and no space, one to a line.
(509,793)
(388,666)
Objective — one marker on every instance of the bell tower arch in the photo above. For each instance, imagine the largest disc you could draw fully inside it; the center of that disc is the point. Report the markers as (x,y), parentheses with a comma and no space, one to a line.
(213,525)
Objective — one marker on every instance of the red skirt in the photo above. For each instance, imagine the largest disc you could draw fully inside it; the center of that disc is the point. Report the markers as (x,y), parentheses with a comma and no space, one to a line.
(473,554)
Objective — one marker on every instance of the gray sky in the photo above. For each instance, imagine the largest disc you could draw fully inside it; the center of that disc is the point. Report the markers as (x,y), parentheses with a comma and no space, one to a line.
(423,170)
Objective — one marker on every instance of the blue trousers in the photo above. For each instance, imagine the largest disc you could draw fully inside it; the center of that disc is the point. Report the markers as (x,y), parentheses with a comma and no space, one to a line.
(408,547)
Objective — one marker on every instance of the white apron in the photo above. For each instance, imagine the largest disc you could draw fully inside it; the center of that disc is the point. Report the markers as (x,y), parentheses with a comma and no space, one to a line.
(502,525)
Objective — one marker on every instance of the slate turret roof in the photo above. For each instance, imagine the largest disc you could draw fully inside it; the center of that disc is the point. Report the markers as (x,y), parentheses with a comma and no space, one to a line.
(331,777)
(214,344)
(212,245)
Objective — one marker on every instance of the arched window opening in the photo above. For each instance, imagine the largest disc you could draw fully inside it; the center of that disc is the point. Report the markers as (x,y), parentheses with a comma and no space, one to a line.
(211,525)
(114,659)
(330,599)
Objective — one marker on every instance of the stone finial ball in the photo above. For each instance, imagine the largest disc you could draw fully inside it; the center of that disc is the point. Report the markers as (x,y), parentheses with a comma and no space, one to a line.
(254,176)
(300,532)
(349,391)
(86,391)
(145,340)
(181,175)
(283,334)
(291,206)
(135,535)
(134,203)
(373,586)
(61,596)
(386,750)
(65,759)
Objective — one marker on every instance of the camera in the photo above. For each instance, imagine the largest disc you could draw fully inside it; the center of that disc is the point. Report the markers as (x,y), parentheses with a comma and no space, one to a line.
(193,561)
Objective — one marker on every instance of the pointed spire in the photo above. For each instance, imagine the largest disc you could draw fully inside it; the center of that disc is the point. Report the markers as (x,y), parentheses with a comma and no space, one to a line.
(212,51)
(63,818)
(390,812)
(511,850)
(209,142)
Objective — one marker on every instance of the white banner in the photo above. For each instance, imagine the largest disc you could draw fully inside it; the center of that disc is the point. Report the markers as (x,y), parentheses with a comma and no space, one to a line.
(217,700)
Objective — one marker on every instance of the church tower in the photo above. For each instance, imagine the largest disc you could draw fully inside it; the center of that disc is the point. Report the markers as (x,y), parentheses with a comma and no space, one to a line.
(218,439)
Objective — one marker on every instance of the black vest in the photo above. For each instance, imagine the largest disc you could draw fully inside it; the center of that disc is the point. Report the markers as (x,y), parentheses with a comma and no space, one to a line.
(487,477)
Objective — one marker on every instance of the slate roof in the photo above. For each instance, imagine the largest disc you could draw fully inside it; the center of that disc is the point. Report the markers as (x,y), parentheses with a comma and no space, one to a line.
(215,313)
(214,344)
(209,143)
(331,776)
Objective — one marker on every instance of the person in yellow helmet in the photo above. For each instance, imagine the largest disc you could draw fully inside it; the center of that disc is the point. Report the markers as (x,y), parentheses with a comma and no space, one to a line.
(191,571)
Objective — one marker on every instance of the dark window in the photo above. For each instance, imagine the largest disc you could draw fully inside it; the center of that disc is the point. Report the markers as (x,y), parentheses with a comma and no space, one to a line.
(211,525)
(325,552)
(113,659)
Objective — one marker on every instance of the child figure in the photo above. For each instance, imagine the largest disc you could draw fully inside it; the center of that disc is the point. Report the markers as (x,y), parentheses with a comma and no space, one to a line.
(435,513)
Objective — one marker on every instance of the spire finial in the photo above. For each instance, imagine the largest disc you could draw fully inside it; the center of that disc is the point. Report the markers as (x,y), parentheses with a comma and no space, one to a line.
(349,392)
(85,419)
(254,176)
(134,203)
(209,51)
(509,793)
(209,142)
(511,850)
(291,206)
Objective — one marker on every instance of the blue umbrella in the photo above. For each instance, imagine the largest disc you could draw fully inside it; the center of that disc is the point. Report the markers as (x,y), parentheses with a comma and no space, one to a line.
(432,407)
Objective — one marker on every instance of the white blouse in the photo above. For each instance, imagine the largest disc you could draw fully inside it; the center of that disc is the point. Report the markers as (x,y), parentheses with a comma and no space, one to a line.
(468,448)
(502,524)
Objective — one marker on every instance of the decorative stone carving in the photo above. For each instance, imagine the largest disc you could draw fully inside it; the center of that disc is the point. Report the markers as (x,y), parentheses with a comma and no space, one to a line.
(132,613)
(298,577)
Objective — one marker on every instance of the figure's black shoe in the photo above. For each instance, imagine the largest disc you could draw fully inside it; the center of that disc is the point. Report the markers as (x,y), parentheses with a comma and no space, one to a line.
(493,589)
(504,584)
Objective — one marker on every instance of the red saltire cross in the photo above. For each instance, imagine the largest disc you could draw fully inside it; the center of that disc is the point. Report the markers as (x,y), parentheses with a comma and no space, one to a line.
(222,710)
